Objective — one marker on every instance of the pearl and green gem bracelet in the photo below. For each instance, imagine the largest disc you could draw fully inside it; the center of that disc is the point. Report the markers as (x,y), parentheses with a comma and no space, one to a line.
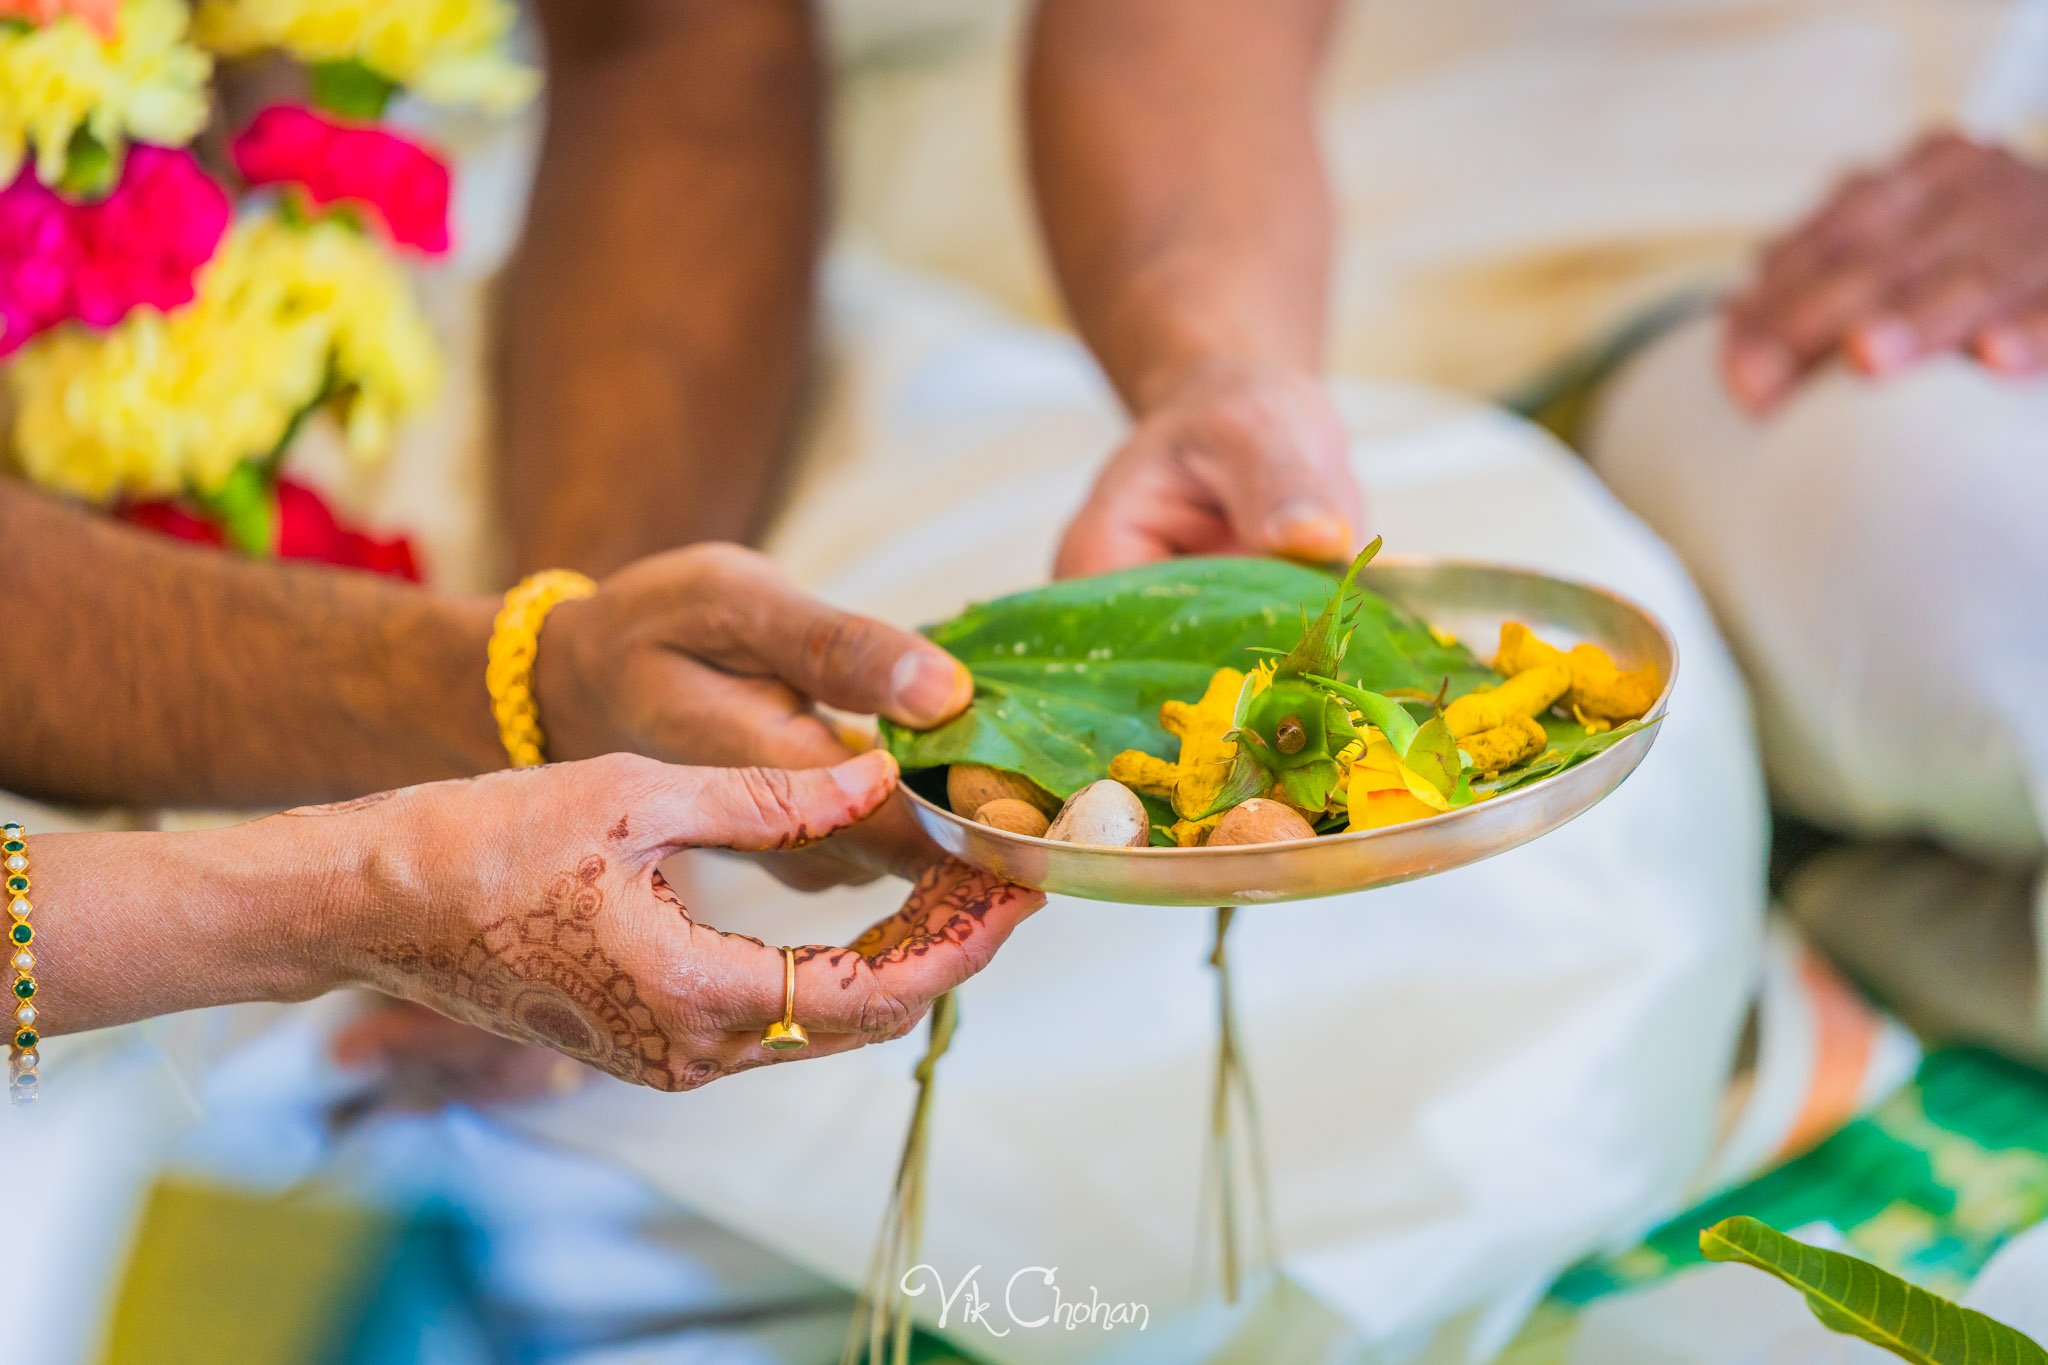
(23,1057)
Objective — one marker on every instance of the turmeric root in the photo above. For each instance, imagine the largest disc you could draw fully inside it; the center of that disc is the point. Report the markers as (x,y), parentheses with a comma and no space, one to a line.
(1191,782)
(1496,750)
(1530,692)
(1602,692)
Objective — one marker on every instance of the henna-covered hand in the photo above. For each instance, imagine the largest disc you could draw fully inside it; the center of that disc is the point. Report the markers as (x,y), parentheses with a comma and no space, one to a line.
(530,904)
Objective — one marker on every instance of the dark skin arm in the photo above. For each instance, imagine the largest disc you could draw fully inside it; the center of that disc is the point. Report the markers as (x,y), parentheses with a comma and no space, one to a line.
(146,672)
(657,317)
(1174,155)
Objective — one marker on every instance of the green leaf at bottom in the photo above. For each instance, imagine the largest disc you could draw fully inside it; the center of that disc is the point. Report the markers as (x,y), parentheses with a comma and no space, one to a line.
(1857,1299)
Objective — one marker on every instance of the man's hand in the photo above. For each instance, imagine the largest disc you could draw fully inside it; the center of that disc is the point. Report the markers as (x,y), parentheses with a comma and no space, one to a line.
(710,655)
(1946,249)
(529,903)
(1233,459)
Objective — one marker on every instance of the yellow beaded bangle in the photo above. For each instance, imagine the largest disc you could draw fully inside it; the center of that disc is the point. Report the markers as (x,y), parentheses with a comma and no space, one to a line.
(23,1059)
(508,674)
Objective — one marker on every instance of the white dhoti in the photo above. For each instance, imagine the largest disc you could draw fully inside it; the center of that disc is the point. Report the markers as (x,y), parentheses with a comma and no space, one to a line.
(1877,553)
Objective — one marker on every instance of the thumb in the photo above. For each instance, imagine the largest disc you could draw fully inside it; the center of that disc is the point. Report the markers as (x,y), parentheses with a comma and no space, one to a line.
(1285,484)
(759,809)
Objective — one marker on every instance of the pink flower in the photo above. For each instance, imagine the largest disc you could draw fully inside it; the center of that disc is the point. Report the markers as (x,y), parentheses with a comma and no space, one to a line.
(402,183)
(96,14)
(141,246)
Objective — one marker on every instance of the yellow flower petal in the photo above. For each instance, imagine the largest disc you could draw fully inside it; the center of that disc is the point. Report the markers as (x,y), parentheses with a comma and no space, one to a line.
(450,52)
(164,402)
(145,83)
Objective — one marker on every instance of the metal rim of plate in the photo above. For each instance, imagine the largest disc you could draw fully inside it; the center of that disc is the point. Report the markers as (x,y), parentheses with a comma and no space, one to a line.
(1468,598)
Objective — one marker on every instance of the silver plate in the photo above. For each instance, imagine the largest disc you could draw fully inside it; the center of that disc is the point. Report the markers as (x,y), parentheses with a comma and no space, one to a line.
(1470,600)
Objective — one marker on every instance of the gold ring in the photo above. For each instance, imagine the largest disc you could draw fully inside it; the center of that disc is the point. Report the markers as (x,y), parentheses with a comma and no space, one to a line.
(786,1034)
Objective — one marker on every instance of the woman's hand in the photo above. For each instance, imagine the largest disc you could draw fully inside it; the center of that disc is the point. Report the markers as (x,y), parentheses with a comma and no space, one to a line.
(529,903)
(1230,460)
(1945,249)
(709,655)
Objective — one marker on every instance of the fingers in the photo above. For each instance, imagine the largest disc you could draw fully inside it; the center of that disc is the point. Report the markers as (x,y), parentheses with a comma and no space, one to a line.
(1923,257)
(2018,344)
(888,843)
(955,919)
(1238,461)
(852,662)
(759,809)
(1275,459)
(950,926)
(1936,315)
(1102,541)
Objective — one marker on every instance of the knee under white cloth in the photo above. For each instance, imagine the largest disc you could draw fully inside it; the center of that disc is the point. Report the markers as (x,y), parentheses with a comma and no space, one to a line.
(1465,1081)
(1878,553)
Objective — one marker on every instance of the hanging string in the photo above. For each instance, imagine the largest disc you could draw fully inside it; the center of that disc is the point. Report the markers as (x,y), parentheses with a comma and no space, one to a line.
(1234,1167)
(881,1330)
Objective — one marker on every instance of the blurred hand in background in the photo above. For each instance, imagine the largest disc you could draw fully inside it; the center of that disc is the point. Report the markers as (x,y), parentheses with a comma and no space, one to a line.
(1944,250)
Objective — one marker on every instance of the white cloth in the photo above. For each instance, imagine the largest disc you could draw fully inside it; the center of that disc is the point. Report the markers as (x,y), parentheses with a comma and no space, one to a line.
(1528,1051)
(1875,552)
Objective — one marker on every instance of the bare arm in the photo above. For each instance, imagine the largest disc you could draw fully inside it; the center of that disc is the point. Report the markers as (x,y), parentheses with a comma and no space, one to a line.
(146,672)
(529,904)
(658,314)
(1174,155)
(1175,160)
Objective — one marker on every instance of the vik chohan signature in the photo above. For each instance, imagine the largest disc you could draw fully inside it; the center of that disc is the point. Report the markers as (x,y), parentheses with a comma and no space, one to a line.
(1031,1299)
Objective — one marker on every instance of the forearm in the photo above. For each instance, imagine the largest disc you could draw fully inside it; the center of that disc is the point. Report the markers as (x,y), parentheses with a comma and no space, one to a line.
(1181,188)
(131,926)
(659,312)
(141,671)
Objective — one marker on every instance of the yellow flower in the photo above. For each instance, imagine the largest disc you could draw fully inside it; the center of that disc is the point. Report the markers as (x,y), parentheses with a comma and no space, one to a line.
(447,51)
(164,401)
(1386,791)
(145,83)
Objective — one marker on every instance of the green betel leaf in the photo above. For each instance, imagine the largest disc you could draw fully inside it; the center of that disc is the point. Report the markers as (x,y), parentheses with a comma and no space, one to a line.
(1857,1299)
(1434,755)
(1070,675)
